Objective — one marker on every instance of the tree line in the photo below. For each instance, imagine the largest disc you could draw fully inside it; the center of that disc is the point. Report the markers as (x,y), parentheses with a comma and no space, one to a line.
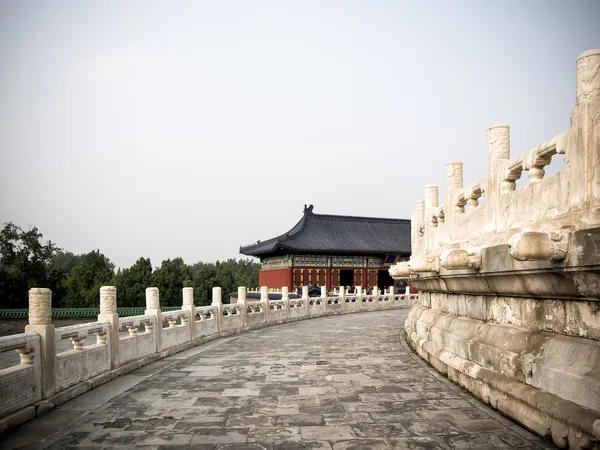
(26,262)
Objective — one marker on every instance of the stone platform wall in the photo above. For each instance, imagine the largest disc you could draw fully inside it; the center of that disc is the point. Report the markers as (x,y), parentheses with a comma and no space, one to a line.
(509,279)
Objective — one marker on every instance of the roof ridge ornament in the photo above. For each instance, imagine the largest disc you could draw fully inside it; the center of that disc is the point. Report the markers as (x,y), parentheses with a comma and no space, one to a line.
(308,210)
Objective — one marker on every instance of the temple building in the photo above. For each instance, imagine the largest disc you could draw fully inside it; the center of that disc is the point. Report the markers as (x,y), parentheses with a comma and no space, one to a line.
(329,250)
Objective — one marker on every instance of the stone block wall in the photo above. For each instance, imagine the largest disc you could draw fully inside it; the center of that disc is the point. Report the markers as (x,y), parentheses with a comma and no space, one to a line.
(509,288)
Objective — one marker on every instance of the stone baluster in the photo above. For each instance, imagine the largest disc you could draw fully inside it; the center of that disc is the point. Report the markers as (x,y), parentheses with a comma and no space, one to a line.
(40,322)
(583,156)
(108,313)
(306,299)
(498,157)
(305,292)
(342,294)
(418,228)
(454,186)
(243,304)
(359,294)
(285,296)
(153,309)
(264,298)
(218,304)
(431,206)
(188,305)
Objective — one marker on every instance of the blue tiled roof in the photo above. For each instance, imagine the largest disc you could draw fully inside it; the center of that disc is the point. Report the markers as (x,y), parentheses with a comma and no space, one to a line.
(325,233)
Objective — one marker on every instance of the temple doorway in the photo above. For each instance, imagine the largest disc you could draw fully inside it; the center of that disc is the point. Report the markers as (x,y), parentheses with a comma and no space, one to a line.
(384,280)
(346,278)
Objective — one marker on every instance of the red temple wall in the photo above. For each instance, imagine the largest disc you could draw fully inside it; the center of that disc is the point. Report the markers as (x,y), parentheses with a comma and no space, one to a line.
(275,278)
(300,276)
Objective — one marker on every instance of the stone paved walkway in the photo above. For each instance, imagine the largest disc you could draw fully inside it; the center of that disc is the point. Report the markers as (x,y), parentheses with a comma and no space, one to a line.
(329,383)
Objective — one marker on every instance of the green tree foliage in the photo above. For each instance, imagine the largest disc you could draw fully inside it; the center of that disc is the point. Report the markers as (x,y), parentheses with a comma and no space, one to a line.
(85,280)
(131,283)
(227,275)
(25,262)
(170,278)
(75,280)
(60,269)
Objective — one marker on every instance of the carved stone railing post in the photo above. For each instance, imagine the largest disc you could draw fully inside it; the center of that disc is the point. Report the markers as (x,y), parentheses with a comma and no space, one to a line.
(108,313)
(285,297)
(342,294)
(264,298)
(306,299)
(418,228)
(188,305)
(454,185)
(498,157)
(431,206)
(218,304)
(40,322)
(584,135)
(153,309)
(242,301)
(359,294)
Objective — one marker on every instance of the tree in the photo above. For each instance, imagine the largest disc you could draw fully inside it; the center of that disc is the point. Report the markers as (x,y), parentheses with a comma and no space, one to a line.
(131,283)
(203,280)
(85,280)
(24,263)
(65,261)
(170,278)
(75,280)
(59,271)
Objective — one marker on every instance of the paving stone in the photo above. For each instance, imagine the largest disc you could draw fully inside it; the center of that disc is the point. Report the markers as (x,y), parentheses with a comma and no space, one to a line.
(477,441)
(327,433)
(419,443)
(219,436)
(452,414)
(254,420)
(321,384)
(240,393)
(299,420)
(255,446)
(347,418)
(208,421)
(363,444)
(369,430)
(164,438)
(478,425)
(184,447)
(394,417)
(277,434)
(306,445)
(437,427)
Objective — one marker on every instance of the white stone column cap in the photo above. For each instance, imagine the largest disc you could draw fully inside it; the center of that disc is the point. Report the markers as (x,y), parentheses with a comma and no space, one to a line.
(588,53)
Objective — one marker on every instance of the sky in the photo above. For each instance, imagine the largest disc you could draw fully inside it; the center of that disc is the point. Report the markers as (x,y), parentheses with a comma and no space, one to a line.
(188,128)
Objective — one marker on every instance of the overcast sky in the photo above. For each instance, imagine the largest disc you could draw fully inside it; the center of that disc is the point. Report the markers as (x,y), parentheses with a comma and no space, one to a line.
(173,128)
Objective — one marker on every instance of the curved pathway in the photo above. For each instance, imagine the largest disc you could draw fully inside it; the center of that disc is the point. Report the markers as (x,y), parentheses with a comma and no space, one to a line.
(328,383)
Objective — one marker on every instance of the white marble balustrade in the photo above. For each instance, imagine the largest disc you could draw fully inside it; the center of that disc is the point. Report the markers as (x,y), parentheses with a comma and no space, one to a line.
(58,364)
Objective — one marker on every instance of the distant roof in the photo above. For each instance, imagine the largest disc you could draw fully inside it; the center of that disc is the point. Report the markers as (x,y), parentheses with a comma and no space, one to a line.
(325,233)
